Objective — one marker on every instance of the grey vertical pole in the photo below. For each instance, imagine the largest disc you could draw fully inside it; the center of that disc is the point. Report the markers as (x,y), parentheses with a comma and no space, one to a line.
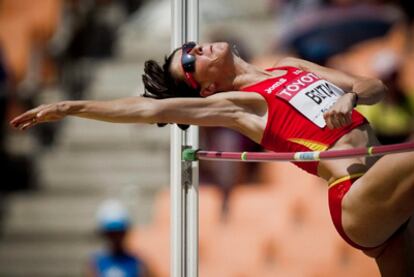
(177,215)
(192,191)
(184,175)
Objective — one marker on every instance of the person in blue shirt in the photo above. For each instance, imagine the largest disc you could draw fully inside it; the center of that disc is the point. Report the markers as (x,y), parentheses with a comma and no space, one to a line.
(114,260)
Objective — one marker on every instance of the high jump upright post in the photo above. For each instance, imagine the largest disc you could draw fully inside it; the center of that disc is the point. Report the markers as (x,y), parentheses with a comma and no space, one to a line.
(184,174)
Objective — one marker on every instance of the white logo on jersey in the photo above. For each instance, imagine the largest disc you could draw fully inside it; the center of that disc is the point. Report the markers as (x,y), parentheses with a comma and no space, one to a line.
(295,86)
(277,84)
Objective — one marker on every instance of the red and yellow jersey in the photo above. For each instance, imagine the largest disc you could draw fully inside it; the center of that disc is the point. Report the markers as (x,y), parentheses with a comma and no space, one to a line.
(296,102)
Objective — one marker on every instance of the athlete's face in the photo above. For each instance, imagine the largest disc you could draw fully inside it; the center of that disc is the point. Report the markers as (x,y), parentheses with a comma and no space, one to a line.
(211,62)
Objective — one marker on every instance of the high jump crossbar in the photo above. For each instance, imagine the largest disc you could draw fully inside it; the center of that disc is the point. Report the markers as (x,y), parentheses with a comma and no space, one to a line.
(308,156)
(183,174)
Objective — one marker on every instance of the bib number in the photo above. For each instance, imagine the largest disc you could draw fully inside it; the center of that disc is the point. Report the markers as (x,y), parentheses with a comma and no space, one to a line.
(313,100)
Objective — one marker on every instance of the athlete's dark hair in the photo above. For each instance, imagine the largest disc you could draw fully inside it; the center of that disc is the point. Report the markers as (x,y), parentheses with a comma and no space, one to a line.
(160,84)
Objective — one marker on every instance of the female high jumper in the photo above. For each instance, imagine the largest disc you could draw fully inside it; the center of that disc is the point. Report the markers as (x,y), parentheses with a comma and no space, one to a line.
(295,106)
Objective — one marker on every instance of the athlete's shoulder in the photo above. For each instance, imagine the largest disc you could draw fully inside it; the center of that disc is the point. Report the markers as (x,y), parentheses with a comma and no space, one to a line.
(288,61)
(295,63)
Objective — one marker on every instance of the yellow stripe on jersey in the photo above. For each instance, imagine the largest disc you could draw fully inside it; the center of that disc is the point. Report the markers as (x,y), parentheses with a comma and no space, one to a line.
(345,178)
(312,145)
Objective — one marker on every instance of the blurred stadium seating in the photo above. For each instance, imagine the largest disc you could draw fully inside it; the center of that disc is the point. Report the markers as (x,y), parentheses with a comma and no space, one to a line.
(280,227)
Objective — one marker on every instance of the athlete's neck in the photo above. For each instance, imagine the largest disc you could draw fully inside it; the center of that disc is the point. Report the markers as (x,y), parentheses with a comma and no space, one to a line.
(247,74)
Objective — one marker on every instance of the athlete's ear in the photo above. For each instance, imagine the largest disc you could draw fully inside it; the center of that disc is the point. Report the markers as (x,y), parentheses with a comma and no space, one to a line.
(208,90)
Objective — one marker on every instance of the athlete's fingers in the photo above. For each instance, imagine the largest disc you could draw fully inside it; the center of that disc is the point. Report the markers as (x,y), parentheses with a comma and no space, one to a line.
(41,114)
(345,119)
(334,117)
(26,117)
(336,121)
(22,122)
(331,122)
(26,124)
(348,118)
(328,119)
(21,119)
(341,120)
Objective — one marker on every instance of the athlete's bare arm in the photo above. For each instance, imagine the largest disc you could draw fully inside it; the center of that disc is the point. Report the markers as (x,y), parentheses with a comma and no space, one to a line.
(222,109)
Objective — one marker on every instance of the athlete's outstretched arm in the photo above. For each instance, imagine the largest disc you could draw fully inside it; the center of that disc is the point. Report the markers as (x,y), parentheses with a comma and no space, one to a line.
(211,111)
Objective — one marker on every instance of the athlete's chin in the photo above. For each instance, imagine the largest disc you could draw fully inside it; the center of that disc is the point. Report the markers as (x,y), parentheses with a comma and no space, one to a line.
(221,48)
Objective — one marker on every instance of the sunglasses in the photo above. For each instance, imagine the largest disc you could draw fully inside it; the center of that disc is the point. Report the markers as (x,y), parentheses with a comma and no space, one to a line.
(188,63)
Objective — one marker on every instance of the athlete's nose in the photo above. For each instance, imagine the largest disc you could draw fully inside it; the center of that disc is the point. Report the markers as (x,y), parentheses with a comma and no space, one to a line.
(197,50)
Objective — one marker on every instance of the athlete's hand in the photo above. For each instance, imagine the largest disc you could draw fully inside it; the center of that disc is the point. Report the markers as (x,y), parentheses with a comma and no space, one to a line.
(340,114)
(43,113)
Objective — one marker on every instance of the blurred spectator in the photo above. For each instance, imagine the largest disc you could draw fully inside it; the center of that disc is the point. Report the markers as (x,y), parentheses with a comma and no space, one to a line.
(316,30)
(17,170)
(114,260)
(87,32)
(3,99)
